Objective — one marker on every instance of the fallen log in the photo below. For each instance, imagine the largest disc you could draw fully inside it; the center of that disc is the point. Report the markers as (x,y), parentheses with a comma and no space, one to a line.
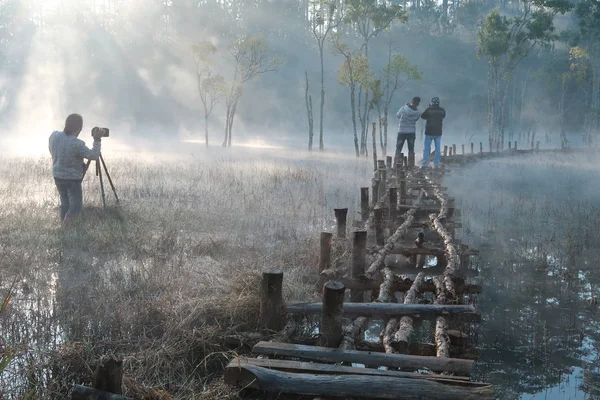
(374,386)
(323,354)
(430,271)
(352,333)
(388,335)
(442,342)
(423,349)
(391,242)
(390,310)
(387,287)
(401,337)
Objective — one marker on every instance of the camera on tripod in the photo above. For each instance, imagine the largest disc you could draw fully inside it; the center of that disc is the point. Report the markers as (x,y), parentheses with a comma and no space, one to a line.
(104,132)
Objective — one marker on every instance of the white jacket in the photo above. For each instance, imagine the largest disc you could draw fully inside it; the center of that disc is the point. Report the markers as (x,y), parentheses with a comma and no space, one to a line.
(408,119)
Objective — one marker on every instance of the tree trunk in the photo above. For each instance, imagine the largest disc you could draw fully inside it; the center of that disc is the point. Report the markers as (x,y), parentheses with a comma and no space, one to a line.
(309,111)
(321,145)
(374,135)
(353,108)
(206,128)
(227,116)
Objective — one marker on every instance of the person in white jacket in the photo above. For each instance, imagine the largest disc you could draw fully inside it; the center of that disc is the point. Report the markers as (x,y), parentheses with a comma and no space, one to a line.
(408,116)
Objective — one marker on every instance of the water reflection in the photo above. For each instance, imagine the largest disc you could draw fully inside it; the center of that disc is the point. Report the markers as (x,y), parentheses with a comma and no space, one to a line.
(535,221)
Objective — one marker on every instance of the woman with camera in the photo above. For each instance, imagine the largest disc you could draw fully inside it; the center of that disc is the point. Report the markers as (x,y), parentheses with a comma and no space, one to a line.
(67,153)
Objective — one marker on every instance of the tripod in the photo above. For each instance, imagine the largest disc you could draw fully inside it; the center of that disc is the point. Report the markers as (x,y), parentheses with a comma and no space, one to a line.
(99,165)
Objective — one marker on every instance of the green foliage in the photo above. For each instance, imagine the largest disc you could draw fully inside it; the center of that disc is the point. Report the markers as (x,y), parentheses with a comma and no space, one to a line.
(251,55)
(355,69)
(400,66)
(588,15)
(371,17)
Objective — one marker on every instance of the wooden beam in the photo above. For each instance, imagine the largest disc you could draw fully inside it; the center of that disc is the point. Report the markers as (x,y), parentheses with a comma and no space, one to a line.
(373,387)
(323,354)
(329,369)
(423,311)
(428,286)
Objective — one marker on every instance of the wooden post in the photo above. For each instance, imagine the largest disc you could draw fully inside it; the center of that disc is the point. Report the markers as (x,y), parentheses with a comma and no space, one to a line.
(380,164)
(411,160)
(402,160)
(382,181)
(472,147)
(515,145)
(393,197)
(509,145)
(399,172)
(445,151)
(405,161)
(481,147)
(108,375)
(463,149)
(325,254)
(450,151)
(359,253)
(375,191)
(340,216)
(537,145)
(364,203)
(388,160)
(454,149)
(331,316)
(271,300)
(402,190)
(378,223)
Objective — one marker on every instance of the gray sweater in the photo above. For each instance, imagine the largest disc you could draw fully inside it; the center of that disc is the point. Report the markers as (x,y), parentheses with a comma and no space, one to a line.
(408,119)
(68,153)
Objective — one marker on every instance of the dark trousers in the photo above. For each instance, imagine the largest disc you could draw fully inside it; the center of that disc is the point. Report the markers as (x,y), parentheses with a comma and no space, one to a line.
(71,196)
(409,138)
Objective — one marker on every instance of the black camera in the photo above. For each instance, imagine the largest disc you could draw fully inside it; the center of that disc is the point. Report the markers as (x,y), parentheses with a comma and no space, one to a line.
(104,132)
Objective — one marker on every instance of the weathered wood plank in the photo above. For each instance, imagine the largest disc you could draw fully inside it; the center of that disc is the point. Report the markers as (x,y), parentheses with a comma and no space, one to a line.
(423,311)
(329,369)
(377,387)
(453,365)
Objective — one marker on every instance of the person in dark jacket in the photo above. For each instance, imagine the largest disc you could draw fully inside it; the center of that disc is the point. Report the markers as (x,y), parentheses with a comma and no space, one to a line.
(434,115)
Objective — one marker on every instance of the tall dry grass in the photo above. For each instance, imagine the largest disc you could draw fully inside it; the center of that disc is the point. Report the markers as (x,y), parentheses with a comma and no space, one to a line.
(170,280)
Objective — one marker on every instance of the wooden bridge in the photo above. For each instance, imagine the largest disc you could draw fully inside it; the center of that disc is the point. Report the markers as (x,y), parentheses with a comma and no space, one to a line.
(413,286)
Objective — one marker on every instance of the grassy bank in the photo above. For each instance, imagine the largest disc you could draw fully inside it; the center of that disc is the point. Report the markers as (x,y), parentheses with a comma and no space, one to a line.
(169,281)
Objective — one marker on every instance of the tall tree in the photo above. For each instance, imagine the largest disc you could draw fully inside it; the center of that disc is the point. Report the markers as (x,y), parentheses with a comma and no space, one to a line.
(370,18)
(326,17)
(505,42)
(353,72)
(250,59)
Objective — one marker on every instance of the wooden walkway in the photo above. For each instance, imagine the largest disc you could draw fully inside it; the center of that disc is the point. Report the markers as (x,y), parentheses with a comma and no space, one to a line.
(412,285)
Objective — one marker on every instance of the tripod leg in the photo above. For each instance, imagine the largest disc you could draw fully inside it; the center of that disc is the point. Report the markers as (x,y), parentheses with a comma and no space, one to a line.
(102,188)
(109,179)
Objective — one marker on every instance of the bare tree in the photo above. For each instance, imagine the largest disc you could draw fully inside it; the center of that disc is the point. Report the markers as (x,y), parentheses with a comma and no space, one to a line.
(309,111)
(251,59)
(326,17)
(211,87)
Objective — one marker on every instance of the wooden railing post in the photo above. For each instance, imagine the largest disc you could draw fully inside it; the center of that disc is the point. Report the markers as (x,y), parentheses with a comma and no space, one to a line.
(364,203)
(463,149)
(382,181)
(325,253)
(393,197)
(389,161)
(340,215)
(509,145)
(515,145)
(481,147)
(331,316)
(472,147)
(454,149)
(359,253)
(445,151)
(271,300)
(375,190)
(378,224)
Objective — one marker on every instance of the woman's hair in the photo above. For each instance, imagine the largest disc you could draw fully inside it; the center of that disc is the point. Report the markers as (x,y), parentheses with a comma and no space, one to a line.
(73,124)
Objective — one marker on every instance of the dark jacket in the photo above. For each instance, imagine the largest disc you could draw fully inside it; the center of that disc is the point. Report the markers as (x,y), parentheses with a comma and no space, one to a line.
(434,115)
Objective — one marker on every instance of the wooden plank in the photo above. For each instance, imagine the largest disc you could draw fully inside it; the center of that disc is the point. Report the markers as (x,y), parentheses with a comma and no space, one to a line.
(423,311)
(374,387)
(330,369)
(453,365)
